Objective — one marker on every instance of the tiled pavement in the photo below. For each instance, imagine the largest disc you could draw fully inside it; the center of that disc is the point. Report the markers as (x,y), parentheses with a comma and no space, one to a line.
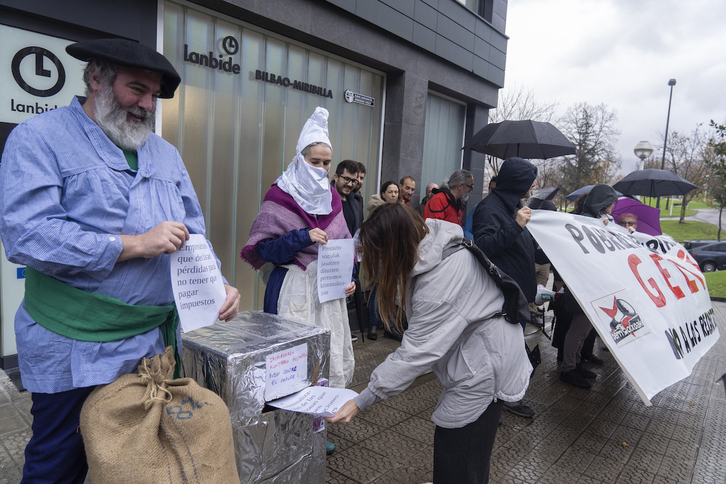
(602,435)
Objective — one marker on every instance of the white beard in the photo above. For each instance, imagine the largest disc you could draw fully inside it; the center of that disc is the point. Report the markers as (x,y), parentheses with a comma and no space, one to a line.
(111,118)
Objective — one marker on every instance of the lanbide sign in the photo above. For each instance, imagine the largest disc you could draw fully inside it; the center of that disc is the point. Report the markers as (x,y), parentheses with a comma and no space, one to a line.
(36,73)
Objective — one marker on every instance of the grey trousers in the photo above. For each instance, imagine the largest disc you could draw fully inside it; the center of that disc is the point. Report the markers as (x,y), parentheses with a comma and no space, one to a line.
(579,329)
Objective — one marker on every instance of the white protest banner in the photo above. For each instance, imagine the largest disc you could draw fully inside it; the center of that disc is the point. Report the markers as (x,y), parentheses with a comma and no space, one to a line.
(197,284)
(287,371)
(318,401)
(644,295)
(335,268)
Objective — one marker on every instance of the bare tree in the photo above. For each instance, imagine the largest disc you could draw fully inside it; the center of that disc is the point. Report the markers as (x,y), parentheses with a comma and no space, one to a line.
(592,130)
(688,156)
(518,103)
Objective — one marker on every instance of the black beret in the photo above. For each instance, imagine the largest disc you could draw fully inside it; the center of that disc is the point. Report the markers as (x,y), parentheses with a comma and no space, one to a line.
(129,54)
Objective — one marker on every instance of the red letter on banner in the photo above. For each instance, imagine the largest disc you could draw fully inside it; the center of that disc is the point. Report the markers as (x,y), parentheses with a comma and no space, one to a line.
(677,291)
(660,301)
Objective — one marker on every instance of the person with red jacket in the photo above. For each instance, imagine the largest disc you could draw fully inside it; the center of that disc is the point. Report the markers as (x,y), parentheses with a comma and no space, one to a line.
(448,201)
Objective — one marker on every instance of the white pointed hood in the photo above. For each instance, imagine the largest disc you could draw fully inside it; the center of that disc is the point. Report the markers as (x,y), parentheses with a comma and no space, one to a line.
(309,185)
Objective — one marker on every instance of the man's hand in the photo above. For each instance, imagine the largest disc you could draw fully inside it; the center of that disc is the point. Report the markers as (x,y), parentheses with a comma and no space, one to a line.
(523,216)
(165,238)
(350,289)
(230,308)
(318,235)
(345,414)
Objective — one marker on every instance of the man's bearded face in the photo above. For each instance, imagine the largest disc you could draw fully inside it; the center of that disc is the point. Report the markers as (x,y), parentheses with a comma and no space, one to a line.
(113,120)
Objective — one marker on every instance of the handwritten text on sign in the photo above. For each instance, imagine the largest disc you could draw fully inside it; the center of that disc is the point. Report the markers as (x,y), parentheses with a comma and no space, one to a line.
(335,268)
(287,372)
(319,401)
(197,284)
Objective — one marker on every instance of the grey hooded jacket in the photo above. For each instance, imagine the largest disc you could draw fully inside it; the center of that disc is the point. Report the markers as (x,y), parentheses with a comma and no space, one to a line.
(450,306)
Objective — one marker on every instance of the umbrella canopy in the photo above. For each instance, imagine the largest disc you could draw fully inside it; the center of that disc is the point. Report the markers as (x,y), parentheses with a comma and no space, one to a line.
(547,193)
(581,191)
(654,183)
(526,139)
(648,217)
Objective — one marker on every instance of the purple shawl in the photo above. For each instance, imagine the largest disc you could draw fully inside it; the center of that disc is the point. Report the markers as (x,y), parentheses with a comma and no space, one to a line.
(280,213)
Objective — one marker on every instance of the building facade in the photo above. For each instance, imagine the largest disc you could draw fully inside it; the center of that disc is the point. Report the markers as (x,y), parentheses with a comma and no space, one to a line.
(406,83)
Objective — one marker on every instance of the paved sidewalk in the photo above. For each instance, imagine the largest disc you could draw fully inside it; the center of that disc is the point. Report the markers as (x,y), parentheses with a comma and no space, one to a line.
(15,422)
(602,435)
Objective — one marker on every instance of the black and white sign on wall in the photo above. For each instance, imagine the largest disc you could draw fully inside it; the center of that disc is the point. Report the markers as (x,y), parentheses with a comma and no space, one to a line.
(36,73)
(354,97)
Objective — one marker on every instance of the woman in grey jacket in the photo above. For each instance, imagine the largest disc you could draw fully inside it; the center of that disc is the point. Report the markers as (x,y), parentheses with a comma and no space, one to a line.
(454,327)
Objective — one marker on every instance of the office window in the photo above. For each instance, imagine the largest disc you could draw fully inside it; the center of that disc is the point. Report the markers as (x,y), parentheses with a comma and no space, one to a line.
(444,138)
(237,115)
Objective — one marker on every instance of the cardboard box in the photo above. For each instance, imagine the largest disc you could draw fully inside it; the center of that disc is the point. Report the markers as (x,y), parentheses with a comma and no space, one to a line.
(231,360)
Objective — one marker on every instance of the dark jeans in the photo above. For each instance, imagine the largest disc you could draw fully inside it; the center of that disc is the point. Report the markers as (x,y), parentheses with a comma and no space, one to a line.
(55,453)
(461,456)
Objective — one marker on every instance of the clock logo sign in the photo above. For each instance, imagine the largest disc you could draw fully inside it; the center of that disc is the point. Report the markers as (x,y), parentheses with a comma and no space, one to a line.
(40,55)
(230,45)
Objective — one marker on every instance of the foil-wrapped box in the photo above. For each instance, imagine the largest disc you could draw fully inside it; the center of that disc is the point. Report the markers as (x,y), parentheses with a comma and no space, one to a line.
(231,359)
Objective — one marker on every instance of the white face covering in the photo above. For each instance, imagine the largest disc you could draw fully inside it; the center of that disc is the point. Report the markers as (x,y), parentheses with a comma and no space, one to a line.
(308,185)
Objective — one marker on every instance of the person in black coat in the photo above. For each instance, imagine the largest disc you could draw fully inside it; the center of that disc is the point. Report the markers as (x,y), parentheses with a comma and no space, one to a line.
(500,232)
(500,225)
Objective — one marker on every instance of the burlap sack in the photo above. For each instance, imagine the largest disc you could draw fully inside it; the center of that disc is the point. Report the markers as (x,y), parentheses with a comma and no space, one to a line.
(147,428)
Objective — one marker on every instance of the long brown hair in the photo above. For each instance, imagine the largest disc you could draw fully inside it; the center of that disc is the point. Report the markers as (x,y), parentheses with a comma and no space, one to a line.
(389,240)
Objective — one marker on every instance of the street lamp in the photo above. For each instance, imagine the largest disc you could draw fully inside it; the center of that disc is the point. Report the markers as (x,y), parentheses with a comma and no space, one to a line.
(671,83)
(643,150)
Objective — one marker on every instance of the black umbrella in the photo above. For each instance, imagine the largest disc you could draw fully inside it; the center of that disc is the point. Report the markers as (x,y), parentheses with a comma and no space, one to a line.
(547,193)
(654,183)
(580,191)
(526,139)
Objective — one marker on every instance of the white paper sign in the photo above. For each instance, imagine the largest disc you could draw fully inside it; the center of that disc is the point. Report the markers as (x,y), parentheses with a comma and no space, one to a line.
(287,372)
(335,269)
(318,401)
(644,295)
(197,284)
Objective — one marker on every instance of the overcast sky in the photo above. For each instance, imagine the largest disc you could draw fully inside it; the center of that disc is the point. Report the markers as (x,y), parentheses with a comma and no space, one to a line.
(622,53)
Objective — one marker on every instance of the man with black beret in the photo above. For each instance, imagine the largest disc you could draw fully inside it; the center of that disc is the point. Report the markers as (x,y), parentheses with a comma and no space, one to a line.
(93,202)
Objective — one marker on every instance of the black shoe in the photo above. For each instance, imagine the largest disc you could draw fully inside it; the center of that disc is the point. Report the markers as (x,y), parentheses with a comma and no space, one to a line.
(373,333)
(590,375)
(519,409)
(393,334)
(594,360)
(353,338)
(573,378)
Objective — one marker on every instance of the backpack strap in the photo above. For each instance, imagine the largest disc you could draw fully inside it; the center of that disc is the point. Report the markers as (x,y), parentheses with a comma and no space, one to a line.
(515,307)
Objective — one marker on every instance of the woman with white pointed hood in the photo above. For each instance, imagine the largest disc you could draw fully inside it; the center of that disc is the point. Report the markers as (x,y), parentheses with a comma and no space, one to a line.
(300,210)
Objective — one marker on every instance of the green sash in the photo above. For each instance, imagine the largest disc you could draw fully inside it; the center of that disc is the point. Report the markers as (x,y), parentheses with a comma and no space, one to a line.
(85,316)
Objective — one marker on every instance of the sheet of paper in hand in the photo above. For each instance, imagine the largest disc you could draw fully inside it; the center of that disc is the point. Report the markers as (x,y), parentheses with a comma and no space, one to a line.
(335,269)
(197,284)
(318,401)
